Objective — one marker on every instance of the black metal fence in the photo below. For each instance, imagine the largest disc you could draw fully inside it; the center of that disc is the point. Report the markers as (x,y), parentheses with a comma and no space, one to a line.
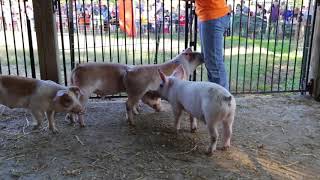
(267,47)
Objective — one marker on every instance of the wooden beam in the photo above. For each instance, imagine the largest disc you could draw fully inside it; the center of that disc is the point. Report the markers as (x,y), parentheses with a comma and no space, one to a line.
(45,25)
(315,58)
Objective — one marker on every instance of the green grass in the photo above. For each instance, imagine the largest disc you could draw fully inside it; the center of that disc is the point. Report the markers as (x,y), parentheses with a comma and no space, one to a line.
(243,69)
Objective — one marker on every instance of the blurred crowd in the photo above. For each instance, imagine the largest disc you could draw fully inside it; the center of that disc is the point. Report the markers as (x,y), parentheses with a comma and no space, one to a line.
(279,17)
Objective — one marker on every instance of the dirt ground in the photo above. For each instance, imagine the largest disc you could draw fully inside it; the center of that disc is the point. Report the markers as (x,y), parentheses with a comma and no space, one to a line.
(275,137)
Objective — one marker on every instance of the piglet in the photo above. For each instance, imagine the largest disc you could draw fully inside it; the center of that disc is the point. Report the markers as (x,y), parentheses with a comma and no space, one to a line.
(206,101)
(42,98)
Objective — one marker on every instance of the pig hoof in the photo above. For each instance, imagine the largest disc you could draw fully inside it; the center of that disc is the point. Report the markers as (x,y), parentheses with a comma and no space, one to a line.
(82,125)
(71,123)
(55,131)
(193,130)
(224,148)
(209,153)
(36,127)
(130,123)
(135,112)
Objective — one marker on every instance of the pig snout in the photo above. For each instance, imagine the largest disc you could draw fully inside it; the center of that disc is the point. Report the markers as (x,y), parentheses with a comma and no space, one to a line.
(153,102)
(78,110)
(157,107)
(198,57)
(201,57)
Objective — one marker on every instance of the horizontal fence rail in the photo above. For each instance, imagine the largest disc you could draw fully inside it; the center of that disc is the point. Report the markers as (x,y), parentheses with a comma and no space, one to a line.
(266,48)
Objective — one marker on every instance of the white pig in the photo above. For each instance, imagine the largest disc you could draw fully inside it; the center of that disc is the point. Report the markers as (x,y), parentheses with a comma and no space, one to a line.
(42,98)
(206,101)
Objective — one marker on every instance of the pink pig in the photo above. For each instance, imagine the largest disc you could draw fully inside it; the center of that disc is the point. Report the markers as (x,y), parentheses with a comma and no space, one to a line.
(42,98)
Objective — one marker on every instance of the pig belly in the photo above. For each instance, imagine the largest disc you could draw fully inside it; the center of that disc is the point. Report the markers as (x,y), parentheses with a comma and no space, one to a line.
(13,102)
(108,91)
(107,87)
(194,110)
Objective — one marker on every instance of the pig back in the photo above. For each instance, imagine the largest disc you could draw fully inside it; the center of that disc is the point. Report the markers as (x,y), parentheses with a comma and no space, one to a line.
(16,91)
(106,78)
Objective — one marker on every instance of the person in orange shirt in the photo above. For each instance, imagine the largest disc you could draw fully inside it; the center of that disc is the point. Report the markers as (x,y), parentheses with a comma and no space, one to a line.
(214,19)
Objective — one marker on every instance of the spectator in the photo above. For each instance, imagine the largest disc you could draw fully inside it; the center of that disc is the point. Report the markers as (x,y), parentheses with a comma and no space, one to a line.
(274,16)
(214,20)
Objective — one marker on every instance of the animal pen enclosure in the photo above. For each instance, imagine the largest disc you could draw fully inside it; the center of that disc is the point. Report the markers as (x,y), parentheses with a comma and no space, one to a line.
(275,135)
(261,54)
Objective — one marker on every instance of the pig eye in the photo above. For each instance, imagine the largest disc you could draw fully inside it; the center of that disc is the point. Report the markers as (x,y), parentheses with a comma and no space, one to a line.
(66,101)
(161,85)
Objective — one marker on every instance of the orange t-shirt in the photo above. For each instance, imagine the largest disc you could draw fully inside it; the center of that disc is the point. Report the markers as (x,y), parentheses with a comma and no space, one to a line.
(211,9)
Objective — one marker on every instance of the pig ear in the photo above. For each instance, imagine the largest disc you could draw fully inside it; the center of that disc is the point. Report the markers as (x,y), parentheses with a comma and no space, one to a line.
(188,50)
(61,93)
(162,76)
(63,98)
(179,72)
(76,90)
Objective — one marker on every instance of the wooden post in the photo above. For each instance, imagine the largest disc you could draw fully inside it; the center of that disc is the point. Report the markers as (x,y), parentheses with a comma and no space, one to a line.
(315,57)
(45,25)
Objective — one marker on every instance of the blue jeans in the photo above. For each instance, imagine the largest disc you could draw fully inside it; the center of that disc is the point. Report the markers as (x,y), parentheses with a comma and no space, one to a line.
(211,36)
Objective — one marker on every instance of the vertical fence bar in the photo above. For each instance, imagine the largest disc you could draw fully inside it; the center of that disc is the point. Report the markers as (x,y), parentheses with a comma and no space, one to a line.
(62,43)
(101,34)
(179,4)
(267,57)
(275,46)
(195,39)
(5,40)
(297,47)
(171,28)
(245,54)
(231,48)
(289,49)
(239,42)
(140,31)
(77,27)
(71,31)
(261,37)
(93,33)
(125,30)
(186,28)
(33,70)
(311,38)
(109,31)
(282,45)
(306,45)
(156,32)
(85,29)
(14,39)
(253,45)
(148,32)
(133,23)
(22,36)
(163,35)
(117,27)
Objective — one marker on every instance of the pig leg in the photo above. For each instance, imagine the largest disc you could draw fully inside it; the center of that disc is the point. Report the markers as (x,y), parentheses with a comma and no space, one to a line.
(193,124)
(38,116)
(84,100)
(52,124)
(71,117)
(136,109)
(213,132)
(177,111)
(130,104)
(227,131)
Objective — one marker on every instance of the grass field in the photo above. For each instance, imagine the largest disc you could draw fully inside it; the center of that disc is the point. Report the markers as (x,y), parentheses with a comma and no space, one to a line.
(253,65)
